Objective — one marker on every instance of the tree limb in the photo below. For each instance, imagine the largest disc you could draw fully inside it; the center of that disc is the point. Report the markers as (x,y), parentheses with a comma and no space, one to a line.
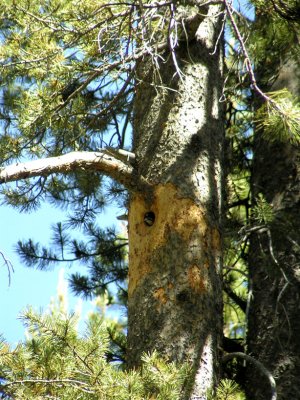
(70,162)
(237,299)
(8,265)
(60,382)
(260,367)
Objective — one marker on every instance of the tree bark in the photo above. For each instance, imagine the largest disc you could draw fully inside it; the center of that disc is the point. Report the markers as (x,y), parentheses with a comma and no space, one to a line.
(274,262)
(175,213)
(175,295)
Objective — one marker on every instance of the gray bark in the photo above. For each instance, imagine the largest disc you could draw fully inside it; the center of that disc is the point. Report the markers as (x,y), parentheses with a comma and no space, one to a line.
(175,298)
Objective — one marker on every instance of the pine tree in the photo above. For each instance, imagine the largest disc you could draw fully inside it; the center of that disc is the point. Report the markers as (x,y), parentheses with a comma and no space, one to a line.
(265,174)
(273,333)
(75,81)
(70,73)
(56,361)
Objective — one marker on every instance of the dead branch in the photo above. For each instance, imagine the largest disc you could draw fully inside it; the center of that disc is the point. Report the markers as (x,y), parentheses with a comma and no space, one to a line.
(9,266)
(248,64)
(99,161)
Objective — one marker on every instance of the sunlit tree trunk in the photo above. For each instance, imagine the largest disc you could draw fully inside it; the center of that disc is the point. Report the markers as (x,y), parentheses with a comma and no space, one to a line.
(274,262)
(175,301)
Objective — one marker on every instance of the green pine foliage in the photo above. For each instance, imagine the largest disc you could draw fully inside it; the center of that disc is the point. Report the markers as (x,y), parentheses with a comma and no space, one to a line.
(104,253)
(279,118)
(262,212)
(268,40)
(67,84)
(57,362)
(228,390)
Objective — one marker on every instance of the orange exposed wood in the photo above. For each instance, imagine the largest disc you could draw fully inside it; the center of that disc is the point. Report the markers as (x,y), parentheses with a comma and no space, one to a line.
(172,213)
(160,295)
(196,279)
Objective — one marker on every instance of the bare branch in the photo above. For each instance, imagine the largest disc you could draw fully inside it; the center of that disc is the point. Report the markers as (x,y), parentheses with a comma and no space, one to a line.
(8,265)
(268,99)
(100,161)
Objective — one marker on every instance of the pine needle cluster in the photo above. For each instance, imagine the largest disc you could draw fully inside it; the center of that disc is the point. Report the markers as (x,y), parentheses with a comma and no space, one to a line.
(279,118)
(57,362)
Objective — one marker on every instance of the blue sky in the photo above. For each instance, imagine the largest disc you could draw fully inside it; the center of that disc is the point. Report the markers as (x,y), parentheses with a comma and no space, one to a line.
(29,286)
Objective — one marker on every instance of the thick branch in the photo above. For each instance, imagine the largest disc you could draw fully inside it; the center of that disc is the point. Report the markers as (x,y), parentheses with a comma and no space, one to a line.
(258,365)
(83,160)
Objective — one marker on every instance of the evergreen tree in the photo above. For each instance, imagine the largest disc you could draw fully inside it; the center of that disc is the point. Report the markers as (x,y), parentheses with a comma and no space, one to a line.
(69,74)
(75,79)
(57,362)
(268,208)
(274,256)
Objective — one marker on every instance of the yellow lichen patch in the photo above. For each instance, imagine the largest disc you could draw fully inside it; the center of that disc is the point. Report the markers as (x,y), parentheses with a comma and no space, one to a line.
(195,278)
(173,213)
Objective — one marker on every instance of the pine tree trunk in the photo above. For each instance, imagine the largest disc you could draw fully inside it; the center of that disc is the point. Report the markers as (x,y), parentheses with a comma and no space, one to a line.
(175,299)
(274,262)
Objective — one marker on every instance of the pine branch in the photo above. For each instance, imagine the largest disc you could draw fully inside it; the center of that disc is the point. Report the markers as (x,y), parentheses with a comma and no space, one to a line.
(78,384)
(88,161)
(237,299)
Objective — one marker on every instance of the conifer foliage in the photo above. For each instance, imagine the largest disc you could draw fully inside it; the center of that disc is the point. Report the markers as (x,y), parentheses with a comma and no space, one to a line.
(66,85)
(57,362)
(71,72)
